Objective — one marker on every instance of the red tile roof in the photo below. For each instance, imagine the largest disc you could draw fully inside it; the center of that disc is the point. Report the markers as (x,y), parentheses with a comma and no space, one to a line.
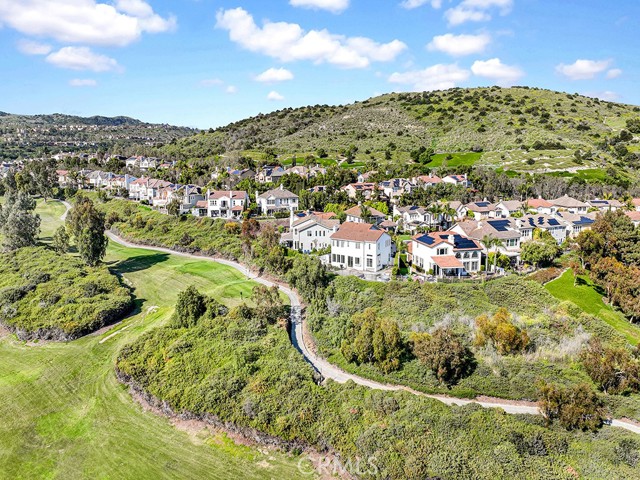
(359,232)
(538,203)
(447,261)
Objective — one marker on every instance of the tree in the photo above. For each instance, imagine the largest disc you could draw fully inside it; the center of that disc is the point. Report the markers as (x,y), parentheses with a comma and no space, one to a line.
(18,225)
(269,306)
(576,408)
(87,226)
(490,242)
(191,305)
(373,340)
(173,207)
(43,176)
(444,353)
(541,250)
(499,330)
(60,241)
(309,276)
(613,369)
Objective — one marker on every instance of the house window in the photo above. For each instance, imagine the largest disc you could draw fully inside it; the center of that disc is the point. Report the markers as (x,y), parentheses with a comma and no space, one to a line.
(441,251)
(358,245)
(474,266)
(369,262)
(309,233)
(357,259)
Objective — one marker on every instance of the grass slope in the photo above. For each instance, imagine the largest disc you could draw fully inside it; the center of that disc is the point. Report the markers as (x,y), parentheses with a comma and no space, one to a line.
(587,296)
(66,416)
(456,120)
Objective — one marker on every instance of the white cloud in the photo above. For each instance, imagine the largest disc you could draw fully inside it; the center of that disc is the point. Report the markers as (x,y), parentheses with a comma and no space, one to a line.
(29,47)
(614,73)
(459,45)
(583,69)
(82,58)
(335,6)
(460,15)
(437,77)
(411,4)
(231,89)
(274,75)
(607,95)
(495,70)
(475,11)
(289,42)
(274,96)
(83,82)
(84,21)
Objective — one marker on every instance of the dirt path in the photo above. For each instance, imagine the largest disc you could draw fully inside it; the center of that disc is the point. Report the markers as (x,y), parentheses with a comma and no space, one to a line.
(328,370)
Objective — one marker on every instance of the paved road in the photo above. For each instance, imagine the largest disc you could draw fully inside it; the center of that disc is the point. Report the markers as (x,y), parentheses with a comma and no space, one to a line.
(328,370)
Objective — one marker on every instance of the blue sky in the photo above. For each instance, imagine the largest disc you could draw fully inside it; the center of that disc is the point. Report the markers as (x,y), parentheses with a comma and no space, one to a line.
(205,63)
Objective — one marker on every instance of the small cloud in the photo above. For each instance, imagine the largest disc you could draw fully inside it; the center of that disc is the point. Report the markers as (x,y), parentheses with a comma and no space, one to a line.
(476,11)
(231,89)
(607,96)
(436,77)
(411,4)
(274,96)
(274,75)
(497,71)
(82,58)
(583,69)
(459,15)
(614,73)
(459,45)
(334,6)
(211,82)
(83,82)
(29,47)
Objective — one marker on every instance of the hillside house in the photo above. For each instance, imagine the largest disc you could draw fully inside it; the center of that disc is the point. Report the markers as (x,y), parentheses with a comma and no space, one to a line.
(277,200)
(446,254)
(362,247)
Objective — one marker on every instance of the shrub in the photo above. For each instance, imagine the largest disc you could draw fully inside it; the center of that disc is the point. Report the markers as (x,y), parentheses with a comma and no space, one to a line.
(505,336)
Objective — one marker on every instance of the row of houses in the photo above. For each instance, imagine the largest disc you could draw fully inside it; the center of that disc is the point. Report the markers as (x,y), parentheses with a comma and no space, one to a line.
(394,188)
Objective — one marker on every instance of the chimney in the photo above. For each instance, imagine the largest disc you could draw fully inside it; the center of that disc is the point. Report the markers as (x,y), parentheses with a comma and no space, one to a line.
(450,239)
(290,218)
(281,187)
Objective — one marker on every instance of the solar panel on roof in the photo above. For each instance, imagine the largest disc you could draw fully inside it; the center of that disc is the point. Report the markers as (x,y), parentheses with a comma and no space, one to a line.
(553,222)
(499,225)
(464,243)
(482,204)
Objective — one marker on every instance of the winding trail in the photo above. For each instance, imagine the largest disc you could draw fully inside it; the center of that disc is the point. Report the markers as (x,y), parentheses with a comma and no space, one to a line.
(330,371)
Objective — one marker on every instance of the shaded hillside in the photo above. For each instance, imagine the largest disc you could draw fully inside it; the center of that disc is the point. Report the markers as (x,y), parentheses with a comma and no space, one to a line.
(31,135)
(456,120)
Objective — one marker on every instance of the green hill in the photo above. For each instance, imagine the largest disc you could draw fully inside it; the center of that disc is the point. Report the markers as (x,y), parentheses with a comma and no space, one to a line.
(503,123)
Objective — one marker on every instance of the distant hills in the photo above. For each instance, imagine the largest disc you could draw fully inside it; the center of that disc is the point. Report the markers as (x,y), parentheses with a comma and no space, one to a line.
(33,135)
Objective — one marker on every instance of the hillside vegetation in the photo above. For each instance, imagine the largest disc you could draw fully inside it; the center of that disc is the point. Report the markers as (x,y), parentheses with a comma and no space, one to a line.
(44,295)
(457,120)
(240,369)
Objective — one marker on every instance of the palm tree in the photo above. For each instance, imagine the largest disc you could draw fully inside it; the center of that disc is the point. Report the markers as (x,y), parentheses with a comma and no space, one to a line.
(434,210)
(448,213)
(488,241)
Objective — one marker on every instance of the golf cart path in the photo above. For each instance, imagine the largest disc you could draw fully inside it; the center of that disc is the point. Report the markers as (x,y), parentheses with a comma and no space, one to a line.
(328,370)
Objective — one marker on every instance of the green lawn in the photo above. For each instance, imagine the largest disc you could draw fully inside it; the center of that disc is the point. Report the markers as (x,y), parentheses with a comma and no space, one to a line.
(587,297)
(458,160)
(50,213)
(65,415)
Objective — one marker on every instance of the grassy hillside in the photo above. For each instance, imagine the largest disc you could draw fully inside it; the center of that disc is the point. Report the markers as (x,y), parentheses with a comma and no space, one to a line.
(65,415)
(47,295)
(556,330)
(457,120)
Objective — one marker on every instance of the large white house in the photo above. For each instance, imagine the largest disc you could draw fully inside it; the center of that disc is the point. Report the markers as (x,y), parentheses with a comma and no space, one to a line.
(224,204)
(277,200)
(361,246)
(311,233)
(446,254)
